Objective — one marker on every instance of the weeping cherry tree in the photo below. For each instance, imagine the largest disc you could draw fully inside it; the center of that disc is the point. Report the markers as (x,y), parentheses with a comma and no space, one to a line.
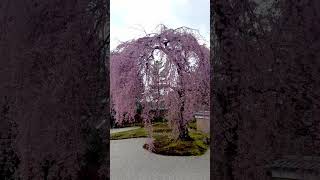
(182,80)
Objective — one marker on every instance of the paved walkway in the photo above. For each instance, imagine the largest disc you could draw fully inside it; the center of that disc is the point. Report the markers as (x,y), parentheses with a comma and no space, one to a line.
(129,161)
(115,130)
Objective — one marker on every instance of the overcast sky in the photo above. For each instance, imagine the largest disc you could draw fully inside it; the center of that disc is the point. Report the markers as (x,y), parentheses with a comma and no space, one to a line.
(130,17)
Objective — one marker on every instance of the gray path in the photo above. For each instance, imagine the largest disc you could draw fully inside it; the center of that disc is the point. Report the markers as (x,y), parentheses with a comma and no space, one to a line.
(123,129)
(129,161)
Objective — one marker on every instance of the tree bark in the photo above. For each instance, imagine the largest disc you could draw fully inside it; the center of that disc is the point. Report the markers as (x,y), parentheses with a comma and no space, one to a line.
(183,129)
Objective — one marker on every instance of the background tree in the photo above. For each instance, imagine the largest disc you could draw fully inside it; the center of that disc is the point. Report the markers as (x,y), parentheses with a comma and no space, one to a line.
(265,77)
(53,75)
(9,159)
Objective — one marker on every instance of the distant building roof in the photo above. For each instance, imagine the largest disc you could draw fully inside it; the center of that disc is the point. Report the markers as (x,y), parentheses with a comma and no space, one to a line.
(202,115)
(296,162)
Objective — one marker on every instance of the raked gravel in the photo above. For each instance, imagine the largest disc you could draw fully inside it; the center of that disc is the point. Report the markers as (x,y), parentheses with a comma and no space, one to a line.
(129,161)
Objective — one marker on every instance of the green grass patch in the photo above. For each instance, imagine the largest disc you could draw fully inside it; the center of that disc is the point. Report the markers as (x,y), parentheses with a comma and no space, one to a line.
(135,133)
(141,132)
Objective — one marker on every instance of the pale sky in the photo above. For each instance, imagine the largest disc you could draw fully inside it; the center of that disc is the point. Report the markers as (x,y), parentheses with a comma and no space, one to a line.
(128,18)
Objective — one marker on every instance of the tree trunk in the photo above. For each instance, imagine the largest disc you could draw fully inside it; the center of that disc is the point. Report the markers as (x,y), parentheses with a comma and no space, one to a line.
(183,132)
(183,129)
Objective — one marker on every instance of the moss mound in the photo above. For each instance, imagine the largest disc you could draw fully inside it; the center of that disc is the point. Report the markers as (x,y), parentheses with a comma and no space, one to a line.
(166,145)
